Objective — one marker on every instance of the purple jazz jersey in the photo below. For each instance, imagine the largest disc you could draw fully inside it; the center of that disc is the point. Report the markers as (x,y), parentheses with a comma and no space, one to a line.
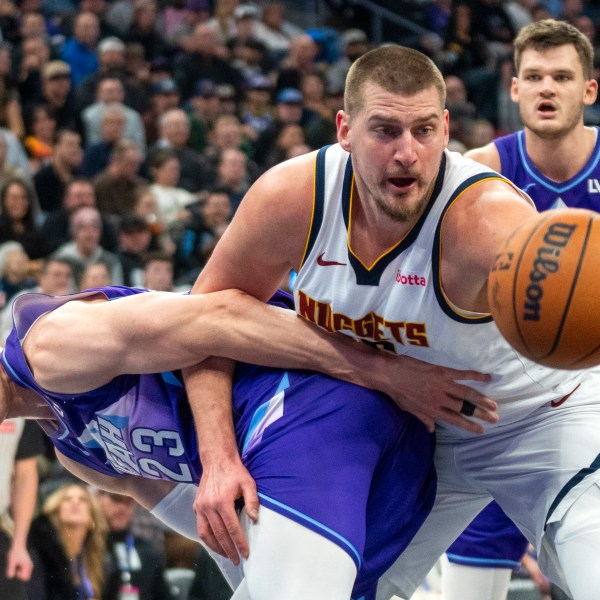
(581,191)
(492,540)
(339,459)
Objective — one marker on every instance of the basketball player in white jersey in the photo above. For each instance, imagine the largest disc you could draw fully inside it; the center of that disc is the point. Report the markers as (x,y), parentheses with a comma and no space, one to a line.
(556,159)
(393,238)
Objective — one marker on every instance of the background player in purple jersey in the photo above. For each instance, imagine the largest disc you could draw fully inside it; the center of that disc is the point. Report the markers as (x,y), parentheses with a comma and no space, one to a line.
(555,158)
(118,421)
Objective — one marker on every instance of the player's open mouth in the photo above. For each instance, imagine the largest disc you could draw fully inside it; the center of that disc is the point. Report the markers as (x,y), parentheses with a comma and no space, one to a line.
(401,182)
(546,108)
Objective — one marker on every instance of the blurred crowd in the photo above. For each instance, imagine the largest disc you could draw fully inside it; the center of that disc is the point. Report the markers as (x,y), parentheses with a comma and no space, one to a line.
(130,131)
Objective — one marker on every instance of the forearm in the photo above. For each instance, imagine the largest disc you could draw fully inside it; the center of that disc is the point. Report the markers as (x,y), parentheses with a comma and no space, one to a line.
(209,388)
(24,499)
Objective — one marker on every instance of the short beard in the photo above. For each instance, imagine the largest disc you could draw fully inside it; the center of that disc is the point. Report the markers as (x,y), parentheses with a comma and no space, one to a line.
(402,213)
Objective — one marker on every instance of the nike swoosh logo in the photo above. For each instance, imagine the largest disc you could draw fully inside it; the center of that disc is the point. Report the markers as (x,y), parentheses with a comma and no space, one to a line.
(328,263)
(556,403)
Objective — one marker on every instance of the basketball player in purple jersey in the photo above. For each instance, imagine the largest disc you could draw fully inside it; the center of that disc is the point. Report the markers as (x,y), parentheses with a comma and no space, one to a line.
(117,420)
(555,158)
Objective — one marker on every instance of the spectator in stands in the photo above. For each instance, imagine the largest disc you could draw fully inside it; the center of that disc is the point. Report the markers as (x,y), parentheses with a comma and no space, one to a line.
(40,127)
(228,133)
(14,273)
(203,109)
(158,272)
(289,111)
(201,234)
(110,91)
(245,18)
(56,92)
(233,174)
(84,249)
(115,186)
(7,170)
(204,62)
(164,96)
(68,544)
(131,559)
(79,52)
(256,113)
(34,55)
(275,31)
(171,200)
(11,116)
(134,242)
(174,133)
(79,193)
(222,21)
(97,156)
(354,44)
(112,63)
(290,135)
(142,29)
(18,217)
(51,179)
(95,275)
(299,62)
(194,13)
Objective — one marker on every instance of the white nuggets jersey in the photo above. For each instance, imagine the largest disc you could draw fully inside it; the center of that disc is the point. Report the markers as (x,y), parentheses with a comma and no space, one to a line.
(398,303)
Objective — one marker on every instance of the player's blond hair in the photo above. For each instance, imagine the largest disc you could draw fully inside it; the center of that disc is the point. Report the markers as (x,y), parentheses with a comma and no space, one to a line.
(548,33)
(396,69)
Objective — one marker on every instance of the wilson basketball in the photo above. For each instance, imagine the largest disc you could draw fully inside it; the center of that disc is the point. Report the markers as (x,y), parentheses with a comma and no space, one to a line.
(544,289)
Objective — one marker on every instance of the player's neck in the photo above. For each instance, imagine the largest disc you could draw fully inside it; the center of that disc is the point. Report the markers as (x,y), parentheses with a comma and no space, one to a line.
(561,159)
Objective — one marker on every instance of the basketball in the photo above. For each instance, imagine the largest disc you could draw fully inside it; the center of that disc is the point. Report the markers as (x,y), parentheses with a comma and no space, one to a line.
(543,289)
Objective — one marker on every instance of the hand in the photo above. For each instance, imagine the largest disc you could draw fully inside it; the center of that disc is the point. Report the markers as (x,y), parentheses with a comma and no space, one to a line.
(222,483)
(530,565)
(432,392)
(18,563)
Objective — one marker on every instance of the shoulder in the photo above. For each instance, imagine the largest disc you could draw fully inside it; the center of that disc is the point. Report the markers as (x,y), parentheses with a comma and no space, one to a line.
(486,155)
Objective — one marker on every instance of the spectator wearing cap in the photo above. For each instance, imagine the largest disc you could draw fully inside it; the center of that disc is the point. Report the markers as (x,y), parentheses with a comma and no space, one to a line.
(164,96)
(245,18)
(115,187)
(50,181)
(249,56)
(289,110)
(257,110)
(204,62)
(57,94)
(228,99)
(354,43)
(134,242)
(203,109)
(112,63)
(142,29)
(85,226)
(79,192)
(174,133)
(110,90)
(79,51)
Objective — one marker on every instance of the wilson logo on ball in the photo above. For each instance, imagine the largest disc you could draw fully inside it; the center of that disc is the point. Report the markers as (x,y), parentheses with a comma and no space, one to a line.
(546,263)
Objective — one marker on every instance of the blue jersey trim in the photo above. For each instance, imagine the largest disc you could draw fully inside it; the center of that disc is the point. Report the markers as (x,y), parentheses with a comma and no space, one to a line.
(489,563)
(315,526)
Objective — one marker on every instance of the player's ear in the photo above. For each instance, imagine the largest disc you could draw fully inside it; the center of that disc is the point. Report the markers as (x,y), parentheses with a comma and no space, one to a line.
(342,121)
(514,89)
(591,92)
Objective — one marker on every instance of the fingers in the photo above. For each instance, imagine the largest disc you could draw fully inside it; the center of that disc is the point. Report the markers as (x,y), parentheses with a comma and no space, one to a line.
(220,530)
(250,500)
